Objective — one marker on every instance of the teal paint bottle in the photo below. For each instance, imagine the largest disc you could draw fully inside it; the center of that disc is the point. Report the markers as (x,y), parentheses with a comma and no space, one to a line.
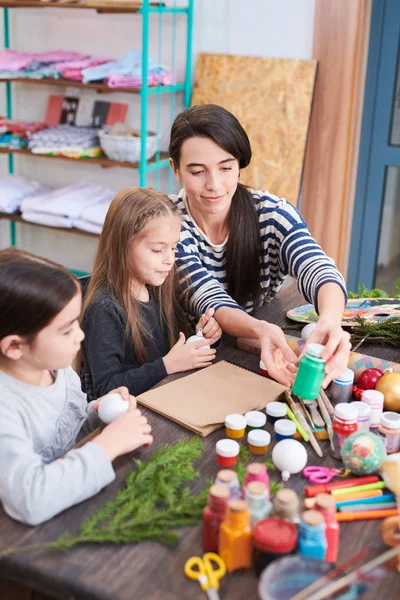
(310,374)
(312,540)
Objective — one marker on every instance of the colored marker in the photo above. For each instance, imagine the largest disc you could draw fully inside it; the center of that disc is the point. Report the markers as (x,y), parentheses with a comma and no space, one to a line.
(373,514)
(358,495)
(366,507)
(384,498)
(299,428)
(379,485)
(325,488)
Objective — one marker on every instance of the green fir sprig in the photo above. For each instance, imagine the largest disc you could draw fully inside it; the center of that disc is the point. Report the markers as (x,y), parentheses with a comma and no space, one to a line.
(384,332)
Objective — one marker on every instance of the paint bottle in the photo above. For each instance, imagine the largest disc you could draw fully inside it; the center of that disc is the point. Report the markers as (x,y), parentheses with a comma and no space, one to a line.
(227,452)
(257,498)
(364,415)
(275,411)
(284,429)
(310,374)
(235,536)
(312,541)
(213,515)
(229,479)
(344,423)
(286,505)
(325,504)
(342,387)
(255,419)
(374,399)
(256,472)
(258,441)
(272,538)
(235,426)
(389,429)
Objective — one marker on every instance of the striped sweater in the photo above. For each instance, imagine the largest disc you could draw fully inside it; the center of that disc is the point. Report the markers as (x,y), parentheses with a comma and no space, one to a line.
(288,249)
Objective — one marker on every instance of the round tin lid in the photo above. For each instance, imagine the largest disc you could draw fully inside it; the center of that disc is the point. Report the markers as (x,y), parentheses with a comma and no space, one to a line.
(275,535)
(276,409)
(255,418)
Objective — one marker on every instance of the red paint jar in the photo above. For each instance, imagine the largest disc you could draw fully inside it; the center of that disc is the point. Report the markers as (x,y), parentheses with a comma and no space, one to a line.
(213,515)
(227,452)
(344,423)
(272,538)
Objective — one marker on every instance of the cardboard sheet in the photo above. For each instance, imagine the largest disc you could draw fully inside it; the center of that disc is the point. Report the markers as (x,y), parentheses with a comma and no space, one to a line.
(201,401)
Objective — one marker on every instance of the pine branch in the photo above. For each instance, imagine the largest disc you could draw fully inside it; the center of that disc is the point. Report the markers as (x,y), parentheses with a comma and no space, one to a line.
(383,332)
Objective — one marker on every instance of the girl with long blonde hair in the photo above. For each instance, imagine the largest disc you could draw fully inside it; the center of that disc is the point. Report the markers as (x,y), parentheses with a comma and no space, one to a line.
(133,312)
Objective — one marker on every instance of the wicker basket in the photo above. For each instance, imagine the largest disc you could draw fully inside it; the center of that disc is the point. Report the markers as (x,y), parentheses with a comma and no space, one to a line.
(126,148)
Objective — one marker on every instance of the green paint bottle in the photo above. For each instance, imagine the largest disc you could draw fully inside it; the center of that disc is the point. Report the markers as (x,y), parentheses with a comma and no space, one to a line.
(310,374)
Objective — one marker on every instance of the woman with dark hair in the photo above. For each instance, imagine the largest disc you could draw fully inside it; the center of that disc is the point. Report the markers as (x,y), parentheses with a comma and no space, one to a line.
(237,244)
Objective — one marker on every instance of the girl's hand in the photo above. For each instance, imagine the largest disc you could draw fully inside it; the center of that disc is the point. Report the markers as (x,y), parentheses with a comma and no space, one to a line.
(126,433)
(184,357)
(337,348)
(209,326)
(122,391)
(276,354)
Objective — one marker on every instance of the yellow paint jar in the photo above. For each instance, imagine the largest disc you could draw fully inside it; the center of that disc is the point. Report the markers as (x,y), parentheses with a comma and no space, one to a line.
(235,426)
(258,441)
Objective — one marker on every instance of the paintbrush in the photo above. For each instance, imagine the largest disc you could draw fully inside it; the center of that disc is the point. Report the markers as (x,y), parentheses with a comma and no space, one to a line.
(301,419)
(327,402)
(307,412)
(327,419)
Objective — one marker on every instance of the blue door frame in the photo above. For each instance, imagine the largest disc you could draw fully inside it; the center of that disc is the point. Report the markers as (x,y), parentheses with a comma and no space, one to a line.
(375,154)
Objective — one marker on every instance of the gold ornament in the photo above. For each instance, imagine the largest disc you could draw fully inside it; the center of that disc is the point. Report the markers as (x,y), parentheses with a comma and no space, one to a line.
(389,385)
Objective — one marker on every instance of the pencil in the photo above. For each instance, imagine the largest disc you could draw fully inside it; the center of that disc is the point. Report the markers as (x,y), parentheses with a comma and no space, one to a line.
(298,426)
(373,514)
(379,485)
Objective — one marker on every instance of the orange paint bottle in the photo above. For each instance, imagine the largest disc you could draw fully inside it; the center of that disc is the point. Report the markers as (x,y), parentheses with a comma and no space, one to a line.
(235,536)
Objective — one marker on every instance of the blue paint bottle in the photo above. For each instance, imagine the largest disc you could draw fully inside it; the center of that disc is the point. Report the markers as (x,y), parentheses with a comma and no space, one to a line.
(312,540)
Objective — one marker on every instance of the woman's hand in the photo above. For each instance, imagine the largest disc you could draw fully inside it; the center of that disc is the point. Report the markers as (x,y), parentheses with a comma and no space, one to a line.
(276,354)
(337,347)
(209,326)
(184,357)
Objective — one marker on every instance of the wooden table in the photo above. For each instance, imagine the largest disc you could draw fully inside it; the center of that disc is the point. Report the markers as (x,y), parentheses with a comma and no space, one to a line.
(150,571)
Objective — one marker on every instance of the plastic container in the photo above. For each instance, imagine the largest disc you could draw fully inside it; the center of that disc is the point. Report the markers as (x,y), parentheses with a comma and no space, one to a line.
(263,369)
(344,423)
(374,399)
(235,426)
(255,419)
(310,374)
(258,441)
(257,498)
(229,479)
(312,540)
(227,452)
(342,387)
(272,538)
(275,411)
(364,415)
(284,429)
(287,576)
(389,429)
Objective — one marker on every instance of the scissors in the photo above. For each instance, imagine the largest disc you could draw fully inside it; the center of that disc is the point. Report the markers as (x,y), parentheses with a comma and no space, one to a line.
(322,474)
(203,570)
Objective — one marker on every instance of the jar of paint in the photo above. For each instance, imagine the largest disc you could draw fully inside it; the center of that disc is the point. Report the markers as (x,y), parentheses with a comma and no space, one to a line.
(374,399)
(273,537)
(227,452)
(235,426)
(257,498)
(389,429)
(342,387)
(364,415)
(234,545)
(230,480)
(255,419)
(275,411)
(256,472)
(344,423)
(286,505)
(258,441)
(325,504)
(312,541)
(310,374)
(263,369)
(213,515)
(284,429)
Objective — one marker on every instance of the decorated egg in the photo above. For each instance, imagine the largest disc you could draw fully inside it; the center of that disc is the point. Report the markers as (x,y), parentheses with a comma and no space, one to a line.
(198,338)
(369,378)
(363,452)
(289,456)
(307,330)
(111,407)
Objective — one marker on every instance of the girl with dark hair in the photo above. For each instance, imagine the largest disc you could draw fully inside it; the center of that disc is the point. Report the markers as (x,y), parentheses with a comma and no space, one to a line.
(133,315)
(43,411)
(237,244)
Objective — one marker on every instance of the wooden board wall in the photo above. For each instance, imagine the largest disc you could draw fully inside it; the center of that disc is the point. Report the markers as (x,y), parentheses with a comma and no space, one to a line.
(272,99)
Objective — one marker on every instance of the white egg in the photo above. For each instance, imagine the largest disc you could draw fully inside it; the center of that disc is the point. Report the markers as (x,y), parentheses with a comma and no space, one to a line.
(197,338)
(289,456)
(111,407)
(307,330)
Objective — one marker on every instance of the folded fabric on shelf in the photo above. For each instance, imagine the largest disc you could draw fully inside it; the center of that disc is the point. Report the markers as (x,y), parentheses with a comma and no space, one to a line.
(46,219)
(96,213)
(87,226)
(14,61)
(65,136)
(14,189)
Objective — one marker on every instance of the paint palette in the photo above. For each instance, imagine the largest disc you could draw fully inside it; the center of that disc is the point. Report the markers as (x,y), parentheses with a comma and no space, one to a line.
(373,310)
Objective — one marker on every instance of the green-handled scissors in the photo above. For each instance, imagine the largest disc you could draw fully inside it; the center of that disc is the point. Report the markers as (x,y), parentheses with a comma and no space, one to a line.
(203,570)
